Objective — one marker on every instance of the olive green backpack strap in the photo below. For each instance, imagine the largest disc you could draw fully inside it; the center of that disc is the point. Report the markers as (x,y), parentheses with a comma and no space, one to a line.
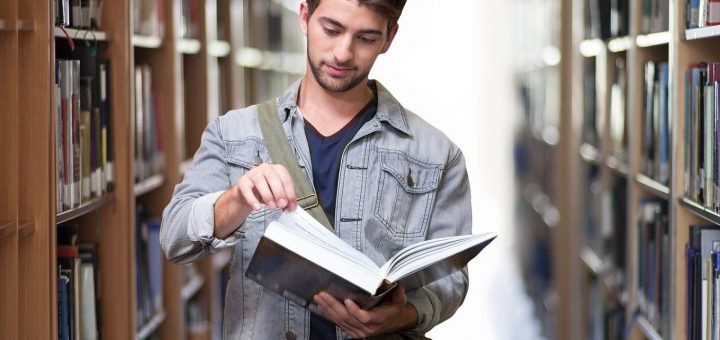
(281,153)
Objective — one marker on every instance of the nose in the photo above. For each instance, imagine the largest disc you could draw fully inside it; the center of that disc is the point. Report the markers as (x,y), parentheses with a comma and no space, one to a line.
(343,52)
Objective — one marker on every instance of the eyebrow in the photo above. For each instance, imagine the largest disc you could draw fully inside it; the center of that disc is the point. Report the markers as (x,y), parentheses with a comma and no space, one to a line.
(339,25)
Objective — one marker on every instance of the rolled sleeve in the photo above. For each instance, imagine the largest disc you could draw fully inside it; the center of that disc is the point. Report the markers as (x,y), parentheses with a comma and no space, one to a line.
(201,224)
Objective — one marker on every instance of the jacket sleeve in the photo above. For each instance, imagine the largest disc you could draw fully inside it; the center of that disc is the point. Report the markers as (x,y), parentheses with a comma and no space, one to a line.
(187,224)
(451,215)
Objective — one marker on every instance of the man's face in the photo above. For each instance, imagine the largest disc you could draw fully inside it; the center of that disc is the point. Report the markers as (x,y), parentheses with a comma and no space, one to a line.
(343,39)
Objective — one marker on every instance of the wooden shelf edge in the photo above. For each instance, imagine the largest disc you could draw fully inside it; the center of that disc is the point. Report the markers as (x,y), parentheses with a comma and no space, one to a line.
(151,326)
(189,46)
(83,209)
(653,186)
(593,262)
(222,259)
(699,210)
(149,184)
(281,62)
(191,288)
(540,202)
(653,39)
(620,44)
(80,34)
(646,328)
(590,154)
(219,48)
(7,228)
(26,228)
(702,33)
(145,41)
(591,47)
(618,166)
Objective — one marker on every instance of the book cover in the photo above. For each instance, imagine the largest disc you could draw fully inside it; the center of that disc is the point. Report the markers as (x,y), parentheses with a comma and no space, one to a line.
(297,258)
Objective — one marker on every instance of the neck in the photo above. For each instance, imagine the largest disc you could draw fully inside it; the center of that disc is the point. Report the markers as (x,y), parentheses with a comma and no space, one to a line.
(317,103)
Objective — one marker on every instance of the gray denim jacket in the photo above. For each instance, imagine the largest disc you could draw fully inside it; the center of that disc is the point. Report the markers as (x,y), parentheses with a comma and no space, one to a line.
(401,181)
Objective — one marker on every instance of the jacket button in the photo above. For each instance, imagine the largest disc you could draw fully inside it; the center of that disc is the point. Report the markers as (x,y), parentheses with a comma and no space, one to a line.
(290,335)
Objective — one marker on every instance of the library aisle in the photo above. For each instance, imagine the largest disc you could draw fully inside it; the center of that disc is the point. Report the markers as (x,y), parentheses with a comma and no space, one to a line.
(460,84)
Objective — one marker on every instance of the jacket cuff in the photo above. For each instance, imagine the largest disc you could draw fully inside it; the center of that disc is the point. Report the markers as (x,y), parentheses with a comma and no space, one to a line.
(201,224)
(425,309)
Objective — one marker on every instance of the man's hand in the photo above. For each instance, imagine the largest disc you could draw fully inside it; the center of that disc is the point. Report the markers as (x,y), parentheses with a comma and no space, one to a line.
(265,184)
(391,316)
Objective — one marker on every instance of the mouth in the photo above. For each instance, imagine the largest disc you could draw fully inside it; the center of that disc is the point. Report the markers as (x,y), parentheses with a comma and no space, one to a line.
(338,71)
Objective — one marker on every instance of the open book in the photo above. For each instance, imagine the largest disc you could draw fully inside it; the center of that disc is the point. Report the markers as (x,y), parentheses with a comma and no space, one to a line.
(298,257)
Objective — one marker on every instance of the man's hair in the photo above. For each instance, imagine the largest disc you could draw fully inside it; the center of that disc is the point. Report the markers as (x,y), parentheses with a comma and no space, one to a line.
(391,9)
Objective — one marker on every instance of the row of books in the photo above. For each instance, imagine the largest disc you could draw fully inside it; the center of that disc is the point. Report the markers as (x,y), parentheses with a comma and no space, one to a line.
(190,27)
(606,18)
(148,266)
(703,275)
(149,17)
(78,13)
(78,287)
(148,152)
(701,144)
(655,16)
(702,13)
(606,318)
(83,131)
(653,285)
(592,121)
(618,111)
(656,122)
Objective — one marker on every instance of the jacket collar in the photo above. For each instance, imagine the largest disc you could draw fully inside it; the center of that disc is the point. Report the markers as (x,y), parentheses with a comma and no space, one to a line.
(389,110)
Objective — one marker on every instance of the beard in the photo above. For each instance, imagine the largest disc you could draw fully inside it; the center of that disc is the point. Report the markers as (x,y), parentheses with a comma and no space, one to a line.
(333,84)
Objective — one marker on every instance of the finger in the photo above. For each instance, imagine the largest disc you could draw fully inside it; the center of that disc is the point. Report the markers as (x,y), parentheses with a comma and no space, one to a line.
(261,186)
(398,296)
(289,186)
(323,300)
(358,313)
(248,193)
(277,189)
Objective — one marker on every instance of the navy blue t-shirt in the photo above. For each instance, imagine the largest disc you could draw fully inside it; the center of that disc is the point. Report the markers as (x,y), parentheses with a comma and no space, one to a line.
(325,153)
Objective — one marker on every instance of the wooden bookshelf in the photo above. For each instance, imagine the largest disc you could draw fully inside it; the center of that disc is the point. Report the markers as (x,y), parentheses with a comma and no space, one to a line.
(642,181)
(187,75)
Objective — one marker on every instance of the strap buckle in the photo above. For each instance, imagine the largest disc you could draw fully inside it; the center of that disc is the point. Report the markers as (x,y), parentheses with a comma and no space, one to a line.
(311,204)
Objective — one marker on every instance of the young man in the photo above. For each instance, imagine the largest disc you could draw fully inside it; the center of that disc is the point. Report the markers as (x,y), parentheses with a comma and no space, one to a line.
(385,178)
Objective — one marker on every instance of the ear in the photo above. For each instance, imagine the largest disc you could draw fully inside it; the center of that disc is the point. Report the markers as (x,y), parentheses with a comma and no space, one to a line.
(304,17)
(391,37)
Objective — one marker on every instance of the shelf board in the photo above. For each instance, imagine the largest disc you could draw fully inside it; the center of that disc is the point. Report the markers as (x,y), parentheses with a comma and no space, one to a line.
(591,47)
(702,33)
(80,34)
(593,262)
(26,228)
(620,44)
(149,184)
(700,211)
(590,154)
(653,186)
(281,62)
(618,166)
(7,228)
(146,41)
(189,46)
(653,39)
(83,209)
(151,326)
(219,49)
(646,328)
(542,206)
(191,288)
(185,166)
(221,259)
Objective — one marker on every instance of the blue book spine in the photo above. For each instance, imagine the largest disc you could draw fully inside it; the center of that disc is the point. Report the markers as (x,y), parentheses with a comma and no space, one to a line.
(64,321)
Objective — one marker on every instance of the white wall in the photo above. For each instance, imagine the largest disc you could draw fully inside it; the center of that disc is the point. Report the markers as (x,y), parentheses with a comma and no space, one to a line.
(452,64)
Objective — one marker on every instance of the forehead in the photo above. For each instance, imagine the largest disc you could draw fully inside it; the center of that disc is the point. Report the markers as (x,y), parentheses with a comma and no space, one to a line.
(351,14)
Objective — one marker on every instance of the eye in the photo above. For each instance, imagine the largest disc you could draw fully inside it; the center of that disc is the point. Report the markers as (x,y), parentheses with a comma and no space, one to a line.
(330,31)
(366,40)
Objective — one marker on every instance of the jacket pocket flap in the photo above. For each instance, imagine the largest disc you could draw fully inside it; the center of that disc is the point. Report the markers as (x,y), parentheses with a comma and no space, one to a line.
(414,176)
(247,153)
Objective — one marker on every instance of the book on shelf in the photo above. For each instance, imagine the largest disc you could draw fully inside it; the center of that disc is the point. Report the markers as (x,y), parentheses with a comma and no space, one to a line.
(148,266)
(703,278)
(655,16)
(297,257)
(654,264)
(702,13)
(618,109)
(148,18)
(656,123)
(149,155)
(85,14)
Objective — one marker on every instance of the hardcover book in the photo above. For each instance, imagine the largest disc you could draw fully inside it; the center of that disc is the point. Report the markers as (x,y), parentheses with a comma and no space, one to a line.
(297,257)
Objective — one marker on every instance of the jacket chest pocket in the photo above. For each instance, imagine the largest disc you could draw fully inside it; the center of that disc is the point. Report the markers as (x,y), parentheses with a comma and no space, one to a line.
(406,193)
(241,157)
